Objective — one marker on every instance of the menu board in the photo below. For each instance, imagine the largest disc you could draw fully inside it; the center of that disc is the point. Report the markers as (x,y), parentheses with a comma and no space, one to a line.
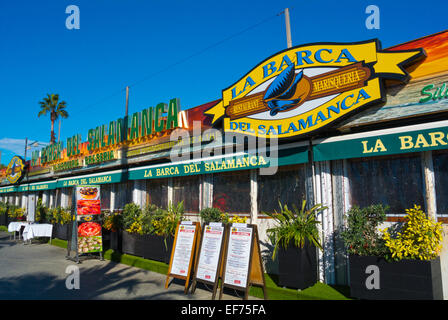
(210,252)
(88,210)
(183,249)
(238,255)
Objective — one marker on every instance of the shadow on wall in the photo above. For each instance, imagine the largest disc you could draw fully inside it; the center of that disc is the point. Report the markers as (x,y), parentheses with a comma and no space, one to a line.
(99,282)
(270,266)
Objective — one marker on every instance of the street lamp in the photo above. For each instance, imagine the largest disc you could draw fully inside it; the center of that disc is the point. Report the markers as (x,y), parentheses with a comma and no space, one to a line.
(29,146)
(34,144)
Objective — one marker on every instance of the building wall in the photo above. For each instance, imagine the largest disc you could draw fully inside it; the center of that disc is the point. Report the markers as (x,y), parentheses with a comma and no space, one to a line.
(326,182)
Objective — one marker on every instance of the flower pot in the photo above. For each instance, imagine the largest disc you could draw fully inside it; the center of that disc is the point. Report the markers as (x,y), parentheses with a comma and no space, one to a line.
(60,231)
(297,266)
(147,246)
(399,280)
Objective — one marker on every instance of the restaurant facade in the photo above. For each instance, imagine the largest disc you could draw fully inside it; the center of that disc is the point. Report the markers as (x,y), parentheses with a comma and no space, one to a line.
(344,124)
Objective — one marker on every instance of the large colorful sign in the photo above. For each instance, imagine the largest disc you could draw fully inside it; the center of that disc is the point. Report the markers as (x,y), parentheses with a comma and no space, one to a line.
(306,88)
(15,170)
(104,141)
(88,210)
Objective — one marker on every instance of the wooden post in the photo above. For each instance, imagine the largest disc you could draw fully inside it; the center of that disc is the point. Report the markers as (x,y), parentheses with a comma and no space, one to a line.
(429,183)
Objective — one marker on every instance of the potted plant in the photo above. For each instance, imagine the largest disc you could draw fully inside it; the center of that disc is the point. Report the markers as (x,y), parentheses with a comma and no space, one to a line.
(15,213)
(112,223)
(60,218)
(164,228)
(400,262)
(149,232)
(41,214)
(211,215)
(296,238)
(3,214)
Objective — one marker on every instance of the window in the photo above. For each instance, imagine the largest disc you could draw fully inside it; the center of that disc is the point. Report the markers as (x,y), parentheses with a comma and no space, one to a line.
(123,193)
(157,192)
(69,196)
(231,192)
(187,189)
(440,160)
(286,186)
(105,196)
(393,181)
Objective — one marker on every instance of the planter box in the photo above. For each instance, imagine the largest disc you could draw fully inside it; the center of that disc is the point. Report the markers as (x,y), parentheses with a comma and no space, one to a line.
(147,246)
(115,241)
(60,231)
(297,267)
(3,220)
(400,280)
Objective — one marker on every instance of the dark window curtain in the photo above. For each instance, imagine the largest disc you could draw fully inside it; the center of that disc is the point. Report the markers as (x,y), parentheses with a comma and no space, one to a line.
(69,194)
(393,181)
(187,189)
(231,192)
(123,194)
(440,160)
(157,192)
(286,186)
(105,196)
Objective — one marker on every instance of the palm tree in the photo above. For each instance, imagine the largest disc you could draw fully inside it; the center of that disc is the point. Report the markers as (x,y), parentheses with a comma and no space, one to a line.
(51,104)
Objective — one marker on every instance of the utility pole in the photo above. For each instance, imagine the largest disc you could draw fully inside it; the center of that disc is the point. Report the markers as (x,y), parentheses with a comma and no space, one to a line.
(127,99)
(59,131)
(288,28)
(26,145)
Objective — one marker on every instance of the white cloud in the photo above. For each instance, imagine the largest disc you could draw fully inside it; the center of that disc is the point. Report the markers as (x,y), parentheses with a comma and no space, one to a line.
(17,146)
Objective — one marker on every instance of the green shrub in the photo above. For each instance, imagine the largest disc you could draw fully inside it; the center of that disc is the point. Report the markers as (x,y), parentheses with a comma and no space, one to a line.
(41,212)
(295,227)
(132,218)
(166,223)
(212,215)
(59,215)
(361,234)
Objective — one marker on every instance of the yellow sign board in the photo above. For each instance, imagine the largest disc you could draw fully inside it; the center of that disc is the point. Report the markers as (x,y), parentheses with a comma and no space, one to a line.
(305,88)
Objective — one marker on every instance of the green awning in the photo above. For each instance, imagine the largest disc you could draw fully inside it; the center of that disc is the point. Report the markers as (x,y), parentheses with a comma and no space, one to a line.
(22,188)
(416,138)
(243,161)
(38,186)
(8,189)
(99,178)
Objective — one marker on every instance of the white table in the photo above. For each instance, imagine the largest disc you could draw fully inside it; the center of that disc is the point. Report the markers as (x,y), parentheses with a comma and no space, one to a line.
(16,226)
(37,230)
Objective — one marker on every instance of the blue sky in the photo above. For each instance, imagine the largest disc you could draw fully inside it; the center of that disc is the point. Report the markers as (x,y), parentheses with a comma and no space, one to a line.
(163,49)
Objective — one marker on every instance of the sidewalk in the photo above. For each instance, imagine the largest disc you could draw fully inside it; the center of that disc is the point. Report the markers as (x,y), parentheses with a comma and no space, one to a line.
(37,271)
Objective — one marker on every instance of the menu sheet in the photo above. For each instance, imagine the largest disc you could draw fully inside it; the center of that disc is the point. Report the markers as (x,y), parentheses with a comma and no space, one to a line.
(210,252)
(183,249)
(238,256)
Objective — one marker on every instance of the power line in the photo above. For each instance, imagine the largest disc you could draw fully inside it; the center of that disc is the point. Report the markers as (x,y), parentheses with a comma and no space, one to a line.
(149,76)
(203,50)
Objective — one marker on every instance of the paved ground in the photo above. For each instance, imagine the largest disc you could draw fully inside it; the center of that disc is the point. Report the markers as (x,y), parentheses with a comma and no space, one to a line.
(37,271)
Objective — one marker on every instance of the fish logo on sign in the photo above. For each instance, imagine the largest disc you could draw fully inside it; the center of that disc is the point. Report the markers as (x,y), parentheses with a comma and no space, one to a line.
(306,88)
(15,169)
